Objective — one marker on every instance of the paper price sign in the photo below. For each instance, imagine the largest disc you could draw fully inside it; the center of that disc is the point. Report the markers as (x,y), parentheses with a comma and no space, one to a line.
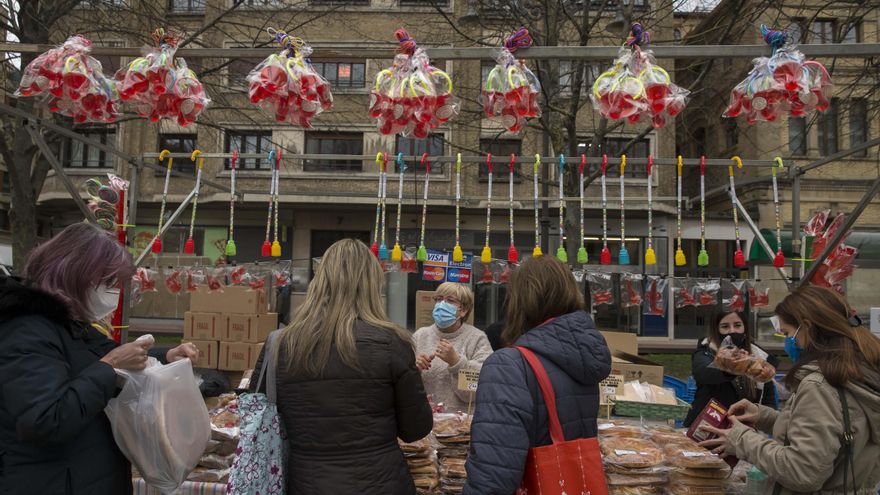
(468,379)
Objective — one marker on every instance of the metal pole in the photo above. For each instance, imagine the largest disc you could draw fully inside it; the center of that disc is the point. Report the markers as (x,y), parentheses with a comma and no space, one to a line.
(168,223)
(760,238)
(838,236)
(133,184)
(840,154)
(795,174)
(59,172)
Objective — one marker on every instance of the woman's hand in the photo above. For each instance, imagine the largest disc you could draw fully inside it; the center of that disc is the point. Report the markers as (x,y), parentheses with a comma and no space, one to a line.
(183,351)
(718,445)
(744,411)
(423,361)
(446,352)
(131,356)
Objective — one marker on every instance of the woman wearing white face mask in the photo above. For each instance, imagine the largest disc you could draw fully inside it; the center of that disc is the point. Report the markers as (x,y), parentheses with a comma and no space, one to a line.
(57,370)
(449,346)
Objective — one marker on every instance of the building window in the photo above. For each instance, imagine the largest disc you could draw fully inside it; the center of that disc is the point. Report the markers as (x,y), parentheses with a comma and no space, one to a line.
(433,146)
(858,125)
(424,3)
(334,143)
(499,148)
(259,142)
(797,135)
(187,6)
(731,133)
(262,4)
(822,31)
(6,186)
(853,33)
(796,29)
(339,2)
(592,70)
(342,74)
(179,143)
(828,144)
(238,69)
(676,35)
(77,154)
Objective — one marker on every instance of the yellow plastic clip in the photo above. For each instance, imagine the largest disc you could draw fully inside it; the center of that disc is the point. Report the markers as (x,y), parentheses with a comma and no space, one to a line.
(778,160)
(379,160)
(458,163)
(680,163)
(537,162)
(739,164)
(622,164)
(162,156)
(195,154)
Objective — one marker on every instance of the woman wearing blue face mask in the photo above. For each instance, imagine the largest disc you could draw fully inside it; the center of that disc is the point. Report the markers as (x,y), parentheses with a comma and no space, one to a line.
(449,346)
(827,437)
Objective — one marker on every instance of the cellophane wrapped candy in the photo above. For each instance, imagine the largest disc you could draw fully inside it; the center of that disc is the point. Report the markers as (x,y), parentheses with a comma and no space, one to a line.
(783,84)
(412,97)
(161,85)
(655,295)
(72,83)
(511,91)
(287,85)
(601,288)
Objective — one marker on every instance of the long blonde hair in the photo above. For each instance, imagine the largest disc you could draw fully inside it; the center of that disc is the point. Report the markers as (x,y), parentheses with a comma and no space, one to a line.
(347,287)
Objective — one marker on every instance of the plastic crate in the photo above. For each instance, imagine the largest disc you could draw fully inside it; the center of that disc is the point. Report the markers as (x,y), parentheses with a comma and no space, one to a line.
(680,388)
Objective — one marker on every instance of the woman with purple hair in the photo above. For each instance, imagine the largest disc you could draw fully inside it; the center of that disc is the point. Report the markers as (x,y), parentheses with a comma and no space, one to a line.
(57,371)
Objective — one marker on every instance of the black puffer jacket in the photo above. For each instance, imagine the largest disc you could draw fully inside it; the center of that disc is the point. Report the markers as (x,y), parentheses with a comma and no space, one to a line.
(54,436)
(510,415)
(343,426)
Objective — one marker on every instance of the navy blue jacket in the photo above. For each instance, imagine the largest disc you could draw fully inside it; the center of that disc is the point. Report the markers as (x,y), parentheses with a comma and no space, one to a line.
(510,415)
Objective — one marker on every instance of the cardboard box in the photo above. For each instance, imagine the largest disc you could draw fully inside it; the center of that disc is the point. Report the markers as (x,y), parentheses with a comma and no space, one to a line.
(249,328)
(207,353)
(203,326)
(235,300)
(237,356)
(633,367)
(623,342)
(425,306)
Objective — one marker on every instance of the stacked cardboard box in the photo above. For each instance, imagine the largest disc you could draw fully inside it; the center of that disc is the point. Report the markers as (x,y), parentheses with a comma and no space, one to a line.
(229,327)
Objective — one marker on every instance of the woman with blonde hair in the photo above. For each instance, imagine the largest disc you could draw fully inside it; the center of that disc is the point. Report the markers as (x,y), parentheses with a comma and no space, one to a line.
(347,383)
(545,315)
(449,346)
(827,437)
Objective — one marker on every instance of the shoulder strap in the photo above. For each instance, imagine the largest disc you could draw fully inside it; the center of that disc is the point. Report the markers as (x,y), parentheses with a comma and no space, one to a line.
(547,391)
(269,367)
(848,461)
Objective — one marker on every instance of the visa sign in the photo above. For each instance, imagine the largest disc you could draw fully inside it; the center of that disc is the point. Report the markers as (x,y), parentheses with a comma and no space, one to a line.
(439,267)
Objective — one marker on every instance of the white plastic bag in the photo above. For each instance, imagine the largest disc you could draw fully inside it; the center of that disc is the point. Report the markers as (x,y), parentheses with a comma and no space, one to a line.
(160,422)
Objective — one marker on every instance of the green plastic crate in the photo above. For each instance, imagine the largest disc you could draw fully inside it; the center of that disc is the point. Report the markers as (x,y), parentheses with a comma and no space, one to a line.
(652,411)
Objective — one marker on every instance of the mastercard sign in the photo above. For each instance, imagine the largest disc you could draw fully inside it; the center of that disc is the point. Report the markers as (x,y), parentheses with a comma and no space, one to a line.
(434,274)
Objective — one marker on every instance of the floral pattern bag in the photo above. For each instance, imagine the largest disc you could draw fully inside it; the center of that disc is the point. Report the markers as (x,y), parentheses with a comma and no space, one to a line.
(260,459)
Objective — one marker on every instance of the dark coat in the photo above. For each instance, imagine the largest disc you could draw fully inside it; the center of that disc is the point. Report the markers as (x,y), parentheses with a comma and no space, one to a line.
(510,415)
(343,426)
(727,389)
(493,333)
(54,436)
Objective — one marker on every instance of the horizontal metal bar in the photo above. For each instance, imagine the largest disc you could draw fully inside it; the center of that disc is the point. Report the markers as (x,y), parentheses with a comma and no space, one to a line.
(387,51)
(837,156)
(167,225)
(760,238)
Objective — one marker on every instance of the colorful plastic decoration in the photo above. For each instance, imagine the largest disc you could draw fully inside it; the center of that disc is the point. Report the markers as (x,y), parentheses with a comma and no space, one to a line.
(683,292)
(537,251)
(582,257)
(838,266)
(486,254)
(601,288)
(623,254)
(157,241)
(230,243)
(375,246)
(72,83)
(605,254)
(739,258)
(636,87)
(412,97)
(703,257)
(383,248)
(161,85)
(631,290)
(215,278)
(650,255)
(173,283)
(396,252)
(680,259)
(779,259)
(512,254)
(287,85)
(266,250)
(422,253)
(655,296)
(238,275)
(511,90)
(759,295)
(736,301)
(190,246)
(783,84)
(561,253)
(706,292)
(145,280)
(457,254)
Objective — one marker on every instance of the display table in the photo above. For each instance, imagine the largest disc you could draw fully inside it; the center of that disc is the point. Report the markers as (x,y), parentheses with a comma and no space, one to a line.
(187,488)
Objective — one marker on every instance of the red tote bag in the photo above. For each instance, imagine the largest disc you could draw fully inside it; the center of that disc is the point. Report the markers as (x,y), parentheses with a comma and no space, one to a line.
(565,467)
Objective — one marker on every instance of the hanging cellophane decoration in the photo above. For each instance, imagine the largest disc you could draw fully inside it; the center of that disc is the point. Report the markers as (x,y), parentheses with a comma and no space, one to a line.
(779,259)
(561,253)
(703,257)
(601,288)
(582,257)
(412,97)
(190,246)
(160,85)
(537,250)
(276,245)
(512,254)
(759,295)
(511,90)
(486,254)
(72,83)
(288,85)
(655,295)
(157,241)
(374,247)
(636,87)
(784,84)
(680,260)
(396,251)
(739,258)
(623,255)
(422,254)
(605,254)
(230,244)
(383,248)
(457,254)
(266,250)
(683,292)
(706,292)
(650,255)
(733,295)
(630,290)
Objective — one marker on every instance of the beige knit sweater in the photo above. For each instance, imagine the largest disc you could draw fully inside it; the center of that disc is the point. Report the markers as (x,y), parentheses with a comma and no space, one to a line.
(441,380)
